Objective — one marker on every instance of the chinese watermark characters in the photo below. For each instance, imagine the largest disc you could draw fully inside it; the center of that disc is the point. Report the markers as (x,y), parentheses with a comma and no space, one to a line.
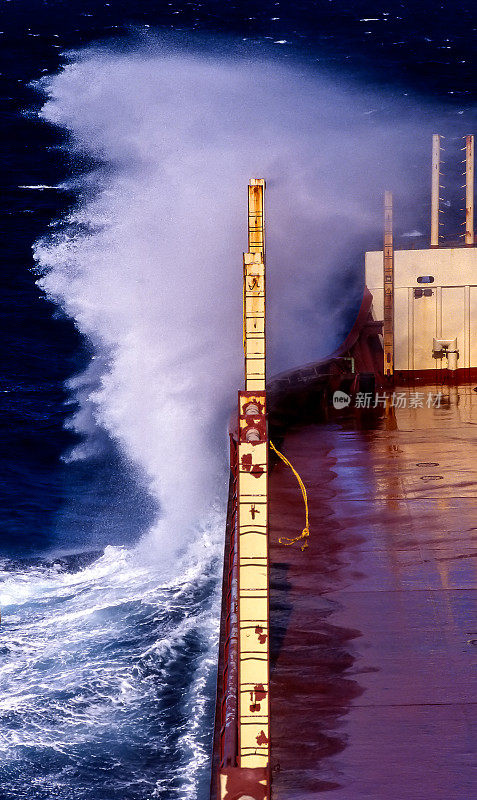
(388,400)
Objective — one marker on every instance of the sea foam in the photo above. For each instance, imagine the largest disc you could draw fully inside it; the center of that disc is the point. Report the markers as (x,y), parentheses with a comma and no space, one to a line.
(149,263)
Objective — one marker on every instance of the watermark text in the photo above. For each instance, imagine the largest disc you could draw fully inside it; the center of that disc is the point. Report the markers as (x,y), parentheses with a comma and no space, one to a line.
(388,399)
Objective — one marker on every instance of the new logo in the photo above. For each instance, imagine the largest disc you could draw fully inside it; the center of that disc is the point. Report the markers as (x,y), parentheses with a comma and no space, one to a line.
(341,399)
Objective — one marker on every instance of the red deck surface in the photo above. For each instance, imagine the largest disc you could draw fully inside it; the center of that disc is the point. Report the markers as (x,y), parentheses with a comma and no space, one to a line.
(374,630)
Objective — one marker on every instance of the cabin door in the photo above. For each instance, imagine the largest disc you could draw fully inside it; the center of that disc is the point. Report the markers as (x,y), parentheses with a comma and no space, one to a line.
(424,319)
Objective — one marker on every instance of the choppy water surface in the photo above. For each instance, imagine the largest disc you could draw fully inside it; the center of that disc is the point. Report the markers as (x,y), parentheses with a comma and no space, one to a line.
(106,678)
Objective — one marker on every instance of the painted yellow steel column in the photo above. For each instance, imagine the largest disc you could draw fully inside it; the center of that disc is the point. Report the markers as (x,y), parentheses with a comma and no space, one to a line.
(469,190)
(250,778)
(254,734)
(256,216)
(254,289)
(253,602)
(388,267)
(435,189)
(254,321)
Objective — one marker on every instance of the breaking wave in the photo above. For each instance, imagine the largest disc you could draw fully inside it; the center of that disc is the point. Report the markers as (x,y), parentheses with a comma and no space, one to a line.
(109,657)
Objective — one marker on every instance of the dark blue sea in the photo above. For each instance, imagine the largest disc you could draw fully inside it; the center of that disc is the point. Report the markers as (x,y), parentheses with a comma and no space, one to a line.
(130,131)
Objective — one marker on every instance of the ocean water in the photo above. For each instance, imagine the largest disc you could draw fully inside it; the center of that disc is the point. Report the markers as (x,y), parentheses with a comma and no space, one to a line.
(128,142)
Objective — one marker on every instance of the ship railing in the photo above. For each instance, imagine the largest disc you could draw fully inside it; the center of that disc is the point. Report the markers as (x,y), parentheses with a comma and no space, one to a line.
(229,701)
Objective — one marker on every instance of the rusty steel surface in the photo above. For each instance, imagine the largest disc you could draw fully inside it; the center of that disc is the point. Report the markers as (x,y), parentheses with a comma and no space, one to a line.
(374,630)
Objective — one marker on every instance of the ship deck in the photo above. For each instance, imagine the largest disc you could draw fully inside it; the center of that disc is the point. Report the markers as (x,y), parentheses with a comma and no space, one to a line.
(374,635)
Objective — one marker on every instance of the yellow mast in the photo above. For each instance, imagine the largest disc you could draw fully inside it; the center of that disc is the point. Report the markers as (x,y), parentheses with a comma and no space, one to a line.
(253,601)
(388,268)
(254,289)
(435,188)
(250,775)
(469,190)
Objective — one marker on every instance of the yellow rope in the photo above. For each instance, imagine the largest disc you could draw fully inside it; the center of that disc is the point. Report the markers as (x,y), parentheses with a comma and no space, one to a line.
(306,531)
